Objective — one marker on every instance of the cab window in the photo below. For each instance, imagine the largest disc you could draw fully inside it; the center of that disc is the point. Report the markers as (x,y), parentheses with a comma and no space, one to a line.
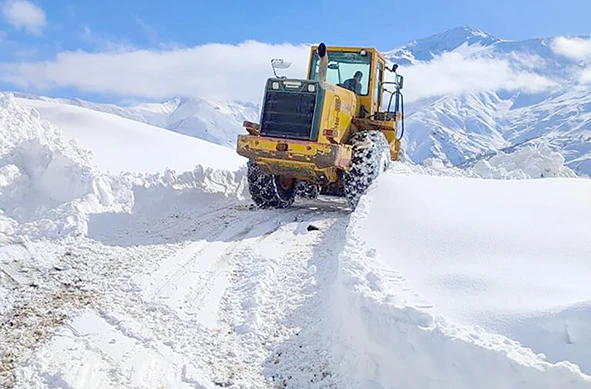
(347,70)
(379,84)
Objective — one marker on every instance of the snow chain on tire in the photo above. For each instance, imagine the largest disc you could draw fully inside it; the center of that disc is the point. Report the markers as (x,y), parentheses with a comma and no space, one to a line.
(371,156)
(266,190)
(307,190)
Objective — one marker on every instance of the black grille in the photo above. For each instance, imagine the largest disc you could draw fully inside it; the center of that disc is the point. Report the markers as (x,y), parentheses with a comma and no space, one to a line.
(288,114)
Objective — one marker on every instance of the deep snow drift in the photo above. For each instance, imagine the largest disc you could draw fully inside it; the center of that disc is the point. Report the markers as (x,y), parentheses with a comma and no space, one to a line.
(121,144)
(387,337)
(531,161)
(170,279)
(510,257)
(49,184)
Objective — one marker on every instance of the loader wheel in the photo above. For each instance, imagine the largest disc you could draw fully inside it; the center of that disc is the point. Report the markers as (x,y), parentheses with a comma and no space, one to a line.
(371,157)
(307,190)
(267,190)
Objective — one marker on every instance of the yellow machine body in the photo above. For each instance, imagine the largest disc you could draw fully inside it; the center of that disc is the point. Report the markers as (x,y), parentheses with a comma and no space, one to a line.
(320,150)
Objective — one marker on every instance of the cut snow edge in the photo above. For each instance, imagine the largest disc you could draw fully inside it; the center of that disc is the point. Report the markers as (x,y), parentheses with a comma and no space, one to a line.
(388,341)
(48,186)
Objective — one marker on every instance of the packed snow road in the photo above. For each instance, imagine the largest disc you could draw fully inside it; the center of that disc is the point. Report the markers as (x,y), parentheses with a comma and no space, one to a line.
(230,297)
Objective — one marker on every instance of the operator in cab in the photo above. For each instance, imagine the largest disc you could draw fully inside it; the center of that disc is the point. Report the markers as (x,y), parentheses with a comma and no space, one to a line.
(354,83)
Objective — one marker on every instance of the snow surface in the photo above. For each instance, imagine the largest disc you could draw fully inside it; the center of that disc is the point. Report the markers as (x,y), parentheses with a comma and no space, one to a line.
(527,162)
(48,183)
(109,137)
(171,279)
(511,257)
(217,122)
(387,335)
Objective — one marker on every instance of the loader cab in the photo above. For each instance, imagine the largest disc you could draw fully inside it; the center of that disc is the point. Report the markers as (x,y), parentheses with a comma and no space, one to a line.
(344,63)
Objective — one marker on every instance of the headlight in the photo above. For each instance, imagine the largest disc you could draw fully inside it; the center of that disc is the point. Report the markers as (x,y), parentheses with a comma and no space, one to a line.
(275,85)
(311,88)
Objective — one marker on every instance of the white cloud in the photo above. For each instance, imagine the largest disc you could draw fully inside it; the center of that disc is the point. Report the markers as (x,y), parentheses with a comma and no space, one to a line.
(578,49)
(585,77)
(217,71)
(453,74)
(574,48)
(238,72)
(24,15)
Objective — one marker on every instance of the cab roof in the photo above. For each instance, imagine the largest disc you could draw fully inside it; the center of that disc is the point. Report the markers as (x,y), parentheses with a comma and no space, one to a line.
(351,49)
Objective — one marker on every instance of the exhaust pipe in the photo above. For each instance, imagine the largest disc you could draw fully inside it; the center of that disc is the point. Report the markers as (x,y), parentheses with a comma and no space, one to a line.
(323,66)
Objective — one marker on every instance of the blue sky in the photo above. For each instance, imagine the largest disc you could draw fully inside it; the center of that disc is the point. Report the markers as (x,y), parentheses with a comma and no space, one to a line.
(386,24)
(38,31)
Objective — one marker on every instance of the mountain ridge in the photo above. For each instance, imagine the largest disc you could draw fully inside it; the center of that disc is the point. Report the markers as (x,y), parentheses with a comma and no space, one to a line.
(469,95)
(539,100)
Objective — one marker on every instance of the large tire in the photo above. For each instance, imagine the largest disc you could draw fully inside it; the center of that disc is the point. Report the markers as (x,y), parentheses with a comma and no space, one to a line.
(266,190)
(371,156)
(307,190)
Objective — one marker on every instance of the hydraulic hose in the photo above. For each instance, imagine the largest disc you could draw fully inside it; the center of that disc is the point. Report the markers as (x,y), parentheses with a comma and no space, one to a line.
(402,112)
(399,104)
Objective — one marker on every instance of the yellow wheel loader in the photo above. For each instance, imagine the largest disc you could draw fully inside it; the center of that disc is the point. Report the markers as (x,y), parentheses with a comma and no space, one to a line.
(325,134)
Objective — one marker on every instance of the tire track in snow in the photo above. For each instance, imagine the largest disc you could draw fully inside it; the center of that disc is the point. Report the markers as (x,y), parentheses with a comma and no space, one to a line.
(303,359)
(46,300)
(214,349)
(88,268)
(273,310)
(187,276)
(120,307)
(148,227)
(256,250)
(207,348)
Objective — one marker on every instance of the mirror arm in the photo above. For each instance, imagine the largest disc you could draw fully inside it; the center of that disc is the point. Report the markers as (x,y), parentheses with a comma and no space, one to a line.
(274,71)
(393,69)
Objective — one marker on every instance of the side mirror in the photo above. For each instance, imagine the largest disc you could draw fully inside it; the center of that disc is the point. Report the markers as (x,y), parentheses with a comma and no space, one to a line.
(333,66)
(278,63)
(399,81)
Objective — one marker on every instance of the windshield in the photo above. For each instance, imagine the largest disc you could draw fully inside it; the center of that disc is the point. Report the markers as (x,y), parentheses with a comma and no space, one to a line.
(342,68)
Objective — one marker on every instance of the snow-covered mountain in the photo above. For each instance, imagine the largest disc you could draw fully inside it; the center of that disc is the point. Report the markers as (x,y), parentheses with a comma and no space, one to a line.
(483,94)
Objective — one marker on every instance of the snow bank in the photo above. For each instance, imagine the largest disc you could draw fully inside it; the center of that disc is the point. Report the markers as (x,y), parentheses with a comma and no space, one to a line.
(46,183)
(535,161)
(532,161)
(48,186)
(441,278)
(194,188)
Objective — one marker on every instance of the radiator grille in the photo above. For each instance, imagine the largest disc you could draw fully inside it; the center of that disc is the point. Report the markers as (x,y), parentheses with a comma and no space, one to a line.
(288,114)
